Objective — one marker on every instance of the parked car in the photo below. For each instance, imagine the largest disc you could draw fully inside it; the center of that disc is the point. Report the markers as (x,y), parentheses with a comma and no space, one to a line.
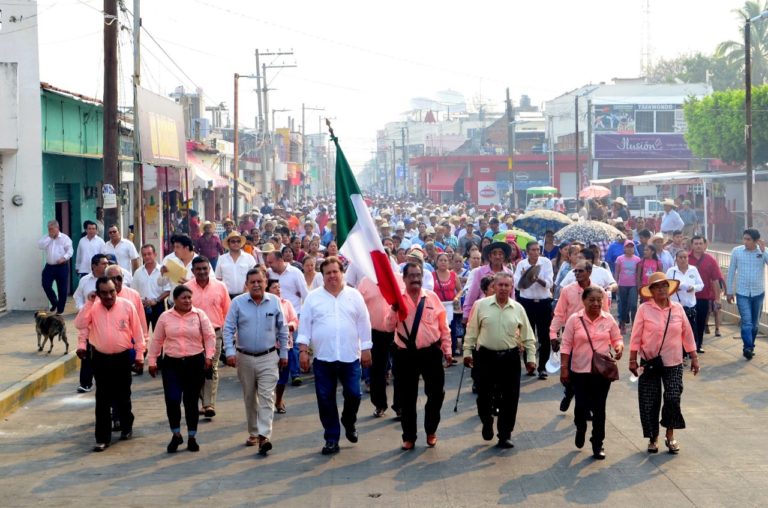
(645,207)
(536,204)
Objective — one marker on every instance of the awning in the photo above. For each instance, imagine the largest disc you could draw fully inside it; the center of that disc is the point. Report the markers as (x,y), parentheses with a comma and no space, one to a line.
(205,176)
(673,178)
(444,179)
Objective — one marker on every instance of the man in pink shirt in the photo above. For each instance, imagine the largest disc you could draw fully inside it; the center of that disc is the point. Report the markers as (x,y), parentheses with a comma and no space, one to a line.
(212,297)
(112,325)
(115,274)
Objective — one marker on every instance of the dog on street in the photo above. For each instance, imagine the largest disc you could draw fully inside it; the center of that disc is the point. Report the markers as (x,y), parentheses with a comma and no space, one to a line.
(48,326)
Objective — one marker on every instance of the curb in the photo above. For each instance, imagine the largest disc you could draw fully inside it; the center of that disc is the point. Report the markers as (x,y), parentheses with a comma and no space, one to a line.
(28,388)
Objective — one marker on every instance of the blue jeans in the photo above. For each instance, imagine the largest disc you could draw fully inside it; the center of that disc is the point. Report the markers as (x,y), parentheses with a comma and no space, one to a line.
(627,303)
(327,376)
(750,308)
(294,369)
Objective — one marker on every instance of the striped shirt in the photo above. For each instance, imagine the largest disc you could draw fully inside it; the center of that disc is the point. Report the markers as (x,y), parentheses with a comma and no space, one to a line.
(748,268)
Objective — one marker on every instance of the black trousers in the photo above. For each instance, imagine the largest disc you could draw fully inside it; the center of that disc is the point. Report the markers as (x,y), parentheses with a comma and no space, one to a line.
(591,395)
(702,313)
(427,363)
(497,376)
(153,313)
(382,346)
(540,316)
(113,385)
(183,379)
(60,275)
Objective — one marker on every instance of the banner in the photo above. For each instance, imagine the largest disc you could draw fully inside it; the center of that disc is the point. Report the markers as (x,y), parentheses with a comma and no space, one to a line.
(161,129)
(641,146)
(488,193)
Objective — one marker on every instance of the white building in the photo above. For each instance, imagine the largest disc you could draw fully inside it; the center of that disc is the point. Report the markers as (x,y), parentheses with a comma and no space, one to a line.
(20,159)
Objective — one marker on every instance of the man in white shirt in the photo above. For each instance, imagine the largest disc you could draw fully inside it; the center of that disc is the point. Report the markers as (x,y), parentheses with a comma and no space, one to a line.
(88,246)
(670,219)
(87,284)
(335,321)
(234,265)
(293,287)
(122,248)
(145,281)
(58,251)
(534,277)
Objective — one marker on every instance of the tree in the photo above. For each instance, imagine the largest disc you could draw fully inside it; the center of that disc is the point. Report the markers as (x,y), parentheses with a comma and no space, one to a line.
(716,125)
(697,68)
(733,51)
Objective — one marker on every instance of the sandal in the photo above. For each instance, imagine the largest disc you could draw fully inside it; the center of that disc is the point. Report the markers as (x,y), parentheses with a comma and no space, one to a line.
(672,445)
(653,447)
(280,409)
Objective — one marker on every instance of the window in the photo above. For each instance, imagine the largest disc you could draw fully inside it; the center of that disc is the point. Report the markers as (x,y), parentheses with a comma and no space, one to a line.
(665,121)
(644,121)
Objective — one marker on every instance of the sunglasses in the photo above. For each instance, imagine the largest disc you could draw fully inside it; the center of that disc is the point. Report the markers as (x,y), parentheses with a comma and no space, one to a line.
(578,270)
(118,278)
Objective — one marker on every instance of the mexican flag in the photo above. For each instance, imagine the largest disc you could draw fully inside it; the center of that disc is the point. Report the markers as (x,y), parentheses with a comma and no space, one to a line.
(357,236)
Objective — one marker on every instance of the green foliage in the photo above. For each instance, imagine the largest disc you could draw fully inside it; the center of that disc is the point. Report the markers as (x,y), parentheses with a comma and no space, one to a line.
(697,68)
(716,125)
(732,52)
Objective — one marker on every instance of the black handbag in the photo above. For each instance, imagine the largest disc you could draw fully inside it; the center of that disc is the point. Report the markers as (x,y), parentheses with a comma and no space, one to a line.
(602,364)
(653,366)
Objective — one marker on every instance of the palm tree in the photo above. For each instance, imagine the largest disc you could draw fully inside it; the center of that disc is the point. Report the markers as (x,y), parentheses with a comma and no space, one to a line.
(733,51)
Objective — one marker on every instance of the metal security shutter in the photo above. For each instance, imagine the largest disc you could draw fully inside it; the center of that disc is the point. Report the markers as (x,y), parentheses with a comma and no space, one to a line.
(61,192)
(2,240)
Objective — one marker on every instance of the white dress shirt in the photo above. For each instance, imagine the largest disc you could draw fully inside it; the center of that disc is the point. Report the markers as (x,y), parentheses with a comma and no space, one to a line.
(337,327)
(546,273)
(125,252)
(57,248)
(232,273)
(293,287)
(688,279)
(671,222)
(86,249)
(86,286)
(147,283)
(599,277)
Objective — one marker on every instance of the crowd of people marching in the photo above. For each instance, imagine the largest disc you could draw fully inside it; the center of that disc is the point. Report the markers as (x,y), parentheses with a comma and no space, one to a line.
(272,296)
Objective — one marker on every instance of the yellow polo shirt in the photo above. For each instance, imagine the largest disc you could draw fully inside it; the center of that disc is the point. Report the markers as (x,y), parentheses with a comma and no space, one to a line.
(498,328)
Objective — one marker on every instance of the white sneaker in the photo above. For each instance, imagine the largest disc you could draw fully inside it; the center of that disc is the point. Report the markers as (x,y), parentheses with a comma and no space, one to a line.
(83,389)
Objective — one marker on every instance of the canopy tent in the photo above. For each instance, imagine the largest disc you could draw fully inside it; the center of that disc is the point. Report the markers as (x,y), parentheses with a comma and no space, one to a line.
(541,191)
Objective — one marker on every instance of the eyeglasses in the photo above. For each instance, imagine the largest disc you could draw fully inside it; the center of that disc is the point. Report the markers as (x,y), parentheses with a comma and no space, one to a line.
(578,270)
(113,232)
(118,278)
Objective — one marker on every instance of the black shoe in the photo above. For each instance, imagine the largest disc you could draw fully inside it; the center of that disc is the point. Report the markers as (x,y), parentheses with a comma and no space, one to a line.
(351,434)
(116,427)
(264,447)
(700,351)
(126,435)
(379,412)
(566,403)
(176,440)
(100,447)
(543,374)
(581,437)
(748,354)
(192,445)
(599,454)
(505,444)
(474,388)
(210,412)
(488,431)
(330,448)
(398,415)
(53,308)
(589,416)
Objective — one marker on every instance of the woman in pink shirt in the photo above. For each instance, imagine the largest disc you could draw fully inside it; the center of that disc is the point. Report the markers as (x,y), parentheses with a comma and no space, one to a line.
(626,276)
(586,331)
(661,328)
(292,321)
(186,338)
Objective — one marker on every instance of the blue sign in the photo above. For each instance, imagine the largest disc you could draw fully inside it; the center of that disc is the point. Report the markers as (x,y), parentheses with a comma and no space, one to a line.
(400,171)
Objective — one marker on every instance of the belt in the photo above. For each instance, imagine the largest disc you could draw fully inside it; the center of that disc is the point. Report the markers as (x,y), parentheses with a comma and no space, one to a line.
(498,351)
(217,329)
(256,355)
(535,300)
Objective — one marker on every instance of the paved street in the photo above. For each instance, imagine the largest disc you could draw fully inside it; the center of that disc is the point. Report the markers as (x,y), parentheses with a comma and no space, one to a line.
(45,455)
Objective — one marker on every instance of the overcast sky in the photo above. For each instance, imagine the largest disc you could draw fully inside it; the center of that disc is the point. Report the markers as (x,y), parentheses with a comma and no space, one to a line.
(363,61)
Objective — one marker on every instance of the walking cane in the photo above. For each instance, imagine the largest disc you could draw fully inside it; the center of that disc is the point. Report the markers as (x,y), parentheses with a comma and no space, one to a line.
(458,392)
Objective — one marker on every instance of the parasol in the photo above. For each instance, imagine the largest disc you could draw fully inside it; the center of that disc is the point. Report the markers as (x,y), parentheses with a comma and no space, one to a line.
(594,191)
(520,237)
(589,232)
(538,222)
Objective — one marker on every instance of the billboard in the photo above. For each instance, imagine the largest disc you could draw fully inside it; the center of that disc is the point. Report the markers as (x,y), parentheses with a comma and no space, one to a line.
(488,193)
(161,130)
(641,146)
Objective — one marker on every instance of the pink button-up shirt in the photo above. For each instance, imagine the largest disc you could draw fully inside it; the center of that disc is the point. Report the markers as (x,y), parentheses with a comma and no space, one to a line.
(433,326)
(604,333)
(291,320)
(134,297)
(110,330)
(570,302)
(378,308)
(213,299)
(648,330)
(180,335)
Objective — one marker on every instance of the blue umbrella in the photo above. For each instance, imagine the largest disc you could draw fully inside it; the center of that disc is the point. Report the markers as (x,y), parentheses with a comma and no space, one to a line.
(538,222)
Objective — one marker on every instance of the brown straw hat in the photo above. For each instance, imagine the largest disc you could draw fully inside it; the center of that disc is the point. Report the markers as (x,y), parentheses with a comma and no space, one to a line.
(655,278)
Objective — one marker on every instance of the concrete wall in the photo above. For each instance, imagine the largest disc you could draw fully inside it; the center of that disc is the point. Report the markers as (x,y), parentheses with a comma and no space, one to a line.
(22,164)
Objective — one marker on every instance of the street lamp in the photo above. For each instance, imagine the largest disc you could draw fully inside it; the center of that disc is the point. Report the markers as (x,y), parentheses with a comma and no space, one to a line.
(748,108)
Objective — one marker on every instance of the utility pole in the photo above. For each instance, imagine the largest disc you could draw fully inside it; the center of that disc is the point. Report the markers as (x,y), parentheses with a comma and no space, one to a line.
(264,89)
(511,149)
(236,156)
(394,170)
(137,167)
(590,162)
(261,132)
(405,161)
(576,144)
(304,137)
(111,141)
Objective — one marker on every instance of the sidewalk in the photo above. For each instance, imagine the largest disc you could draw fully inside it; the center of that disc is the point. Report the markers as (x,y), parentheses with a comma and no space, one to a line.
(27,372)
(45,456)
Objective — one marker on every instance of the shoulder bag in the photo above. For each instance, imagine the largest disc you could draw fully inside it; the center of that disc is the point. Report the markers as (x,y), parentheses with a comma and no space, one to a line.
(410,338)
(653,366)
(602,364)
